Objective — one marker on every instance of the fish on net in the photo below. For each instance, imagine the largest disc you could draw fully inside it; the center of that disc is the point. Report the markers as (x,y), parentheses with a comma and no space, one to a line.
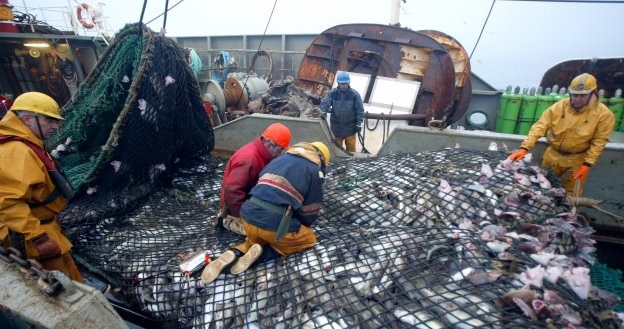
(404,241)
(450,238)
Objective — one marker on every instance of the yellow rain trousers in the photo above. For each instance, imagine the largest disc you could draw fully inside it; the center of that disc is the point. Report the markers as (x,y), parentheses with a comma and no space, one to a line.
(349,142)
(574,137)
(290,243)
(24,182)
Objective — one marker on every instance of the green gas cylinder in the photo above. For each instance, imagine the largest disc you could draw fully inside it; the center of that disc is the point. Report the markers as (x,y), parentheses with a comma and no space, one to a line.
(543,102)
(527,112)
(502,106)
(510,114)
(616,104)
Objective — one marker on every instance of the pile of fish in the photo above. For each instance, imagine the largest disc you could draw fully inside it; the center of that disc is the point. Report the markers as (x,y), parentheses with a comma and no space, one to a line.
(445,239)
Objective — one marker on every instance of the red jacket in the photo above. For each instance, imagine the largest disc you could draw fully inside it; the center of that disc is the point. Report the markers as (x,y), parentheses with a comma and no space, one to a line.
(241,174)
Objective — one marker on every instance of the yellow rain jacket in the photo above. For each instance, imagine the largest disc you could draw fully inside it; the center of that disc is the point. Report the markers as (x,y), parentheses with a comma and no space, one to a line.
(24,182)
(574,137)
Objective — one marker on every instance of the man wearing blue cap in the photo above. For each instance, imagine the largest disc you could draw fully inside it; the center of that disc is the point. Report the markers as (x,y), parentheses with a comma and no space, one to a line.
(347,111)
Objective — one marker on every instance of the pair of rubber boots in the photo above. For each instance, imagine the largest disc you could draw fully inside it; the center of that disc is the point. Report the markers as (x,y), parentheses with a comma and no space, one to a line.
(214,268)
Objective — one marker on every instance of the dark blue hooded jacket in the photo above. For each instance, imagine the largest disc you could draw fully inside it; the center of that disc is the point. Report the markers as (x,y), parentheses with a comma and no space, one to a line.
(293,179)
(347,111)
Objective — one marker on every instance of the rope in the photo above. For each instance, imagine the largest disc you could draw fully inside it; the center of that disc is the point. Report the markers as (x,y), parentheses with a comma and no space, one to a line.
(113,140)
(253,63)
(195,62)
(576,190)
(361,139)
(615,216)
(578,201)
(367,126)
(93,269)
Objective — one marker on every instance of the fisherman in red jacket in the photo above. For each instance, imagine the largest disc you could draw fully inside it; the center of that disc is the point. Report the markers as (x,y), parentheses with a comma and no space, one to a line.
(242,172)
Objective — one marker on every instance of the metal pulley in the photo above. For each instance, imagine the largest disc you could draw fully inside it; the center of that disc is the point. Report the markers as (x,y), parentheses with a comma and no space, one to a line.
(232,99)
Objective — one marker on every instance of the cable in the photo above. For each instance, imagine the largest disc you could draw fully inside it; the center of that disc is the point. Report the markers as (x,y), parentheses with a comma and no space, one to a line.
(253,63)
(28,22)
(494,1)
(482,29)
(166,10)
(259,46)
(361,139)
(142,14)
(155,18)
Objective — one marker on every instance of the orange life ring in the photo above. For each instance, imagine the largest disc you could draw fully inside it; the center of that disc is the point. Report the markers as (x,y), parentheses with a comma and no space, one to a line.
(79,9)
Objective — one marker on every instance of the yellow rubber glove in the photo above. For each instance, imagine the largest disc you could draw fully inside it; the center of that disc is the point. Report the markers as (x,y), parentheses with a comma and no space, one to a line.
(518,155)
(581,173)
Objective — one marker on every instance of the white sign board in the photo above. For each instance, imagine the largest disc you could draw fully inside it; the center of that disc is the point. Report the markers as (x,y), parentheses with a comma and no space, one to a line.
(394,93)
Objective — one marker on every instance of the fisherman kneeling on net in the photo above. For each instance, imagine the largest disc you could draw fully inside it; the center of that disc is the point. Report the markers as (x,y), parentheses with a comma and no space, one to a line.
(281,208)
(243,170)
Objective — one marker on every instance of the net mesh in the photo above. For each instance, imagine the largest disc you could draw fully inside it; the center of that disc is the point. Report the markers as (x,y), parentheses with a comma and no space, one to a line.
(137,115)
(450,238)
(608,279)
(428,240)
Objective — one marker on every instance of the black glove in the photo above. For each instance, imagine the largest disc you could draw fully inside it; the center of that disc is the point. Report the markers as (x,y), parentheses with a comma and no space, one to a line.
(218,224)
(46,247)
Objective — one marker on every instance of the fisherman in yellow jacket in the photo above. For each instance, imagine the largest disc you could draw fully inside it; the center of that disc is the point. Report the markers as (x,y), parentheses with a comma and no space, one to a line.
(577,130)
(32,189)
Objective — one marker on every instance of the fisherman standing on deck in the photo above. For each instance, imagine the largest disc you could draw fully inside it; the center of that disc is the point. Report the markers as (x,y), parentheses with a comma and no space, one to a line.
(577,129)
(282,207)
(347,111)
(242,172)
(32,189)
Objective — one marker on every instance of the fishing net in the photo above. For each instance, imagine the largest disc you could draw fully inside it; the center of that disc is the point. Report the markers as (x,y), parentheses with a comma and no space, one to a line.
(404,241)
(137,116)
(608,279)
(284,98)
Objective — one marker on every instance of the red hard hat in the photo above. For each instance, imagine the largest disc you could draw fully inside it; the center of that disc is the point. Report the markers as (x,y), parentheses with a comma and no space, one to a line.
(278,133)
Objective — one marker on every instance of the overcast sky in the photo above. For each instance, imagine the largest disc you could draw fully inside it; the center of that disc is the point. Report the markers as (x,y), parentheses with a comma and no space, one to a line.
(521,40)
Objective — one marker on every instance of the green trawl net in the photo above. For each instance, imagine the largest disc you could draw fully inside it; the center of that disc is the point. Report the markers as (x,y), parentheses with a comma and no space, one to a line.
(608,279)
(442,239)
(138,115)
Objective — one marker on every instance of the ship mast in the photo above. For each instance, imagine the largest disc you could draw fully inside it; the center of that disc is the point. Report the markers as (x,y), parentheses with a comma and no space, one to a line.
(395,8)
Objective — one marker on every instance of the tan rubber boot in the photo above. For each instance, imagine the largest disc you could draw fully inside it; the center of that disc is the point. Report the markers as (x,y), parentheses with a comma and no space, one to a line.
(214,268)
(246,260)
